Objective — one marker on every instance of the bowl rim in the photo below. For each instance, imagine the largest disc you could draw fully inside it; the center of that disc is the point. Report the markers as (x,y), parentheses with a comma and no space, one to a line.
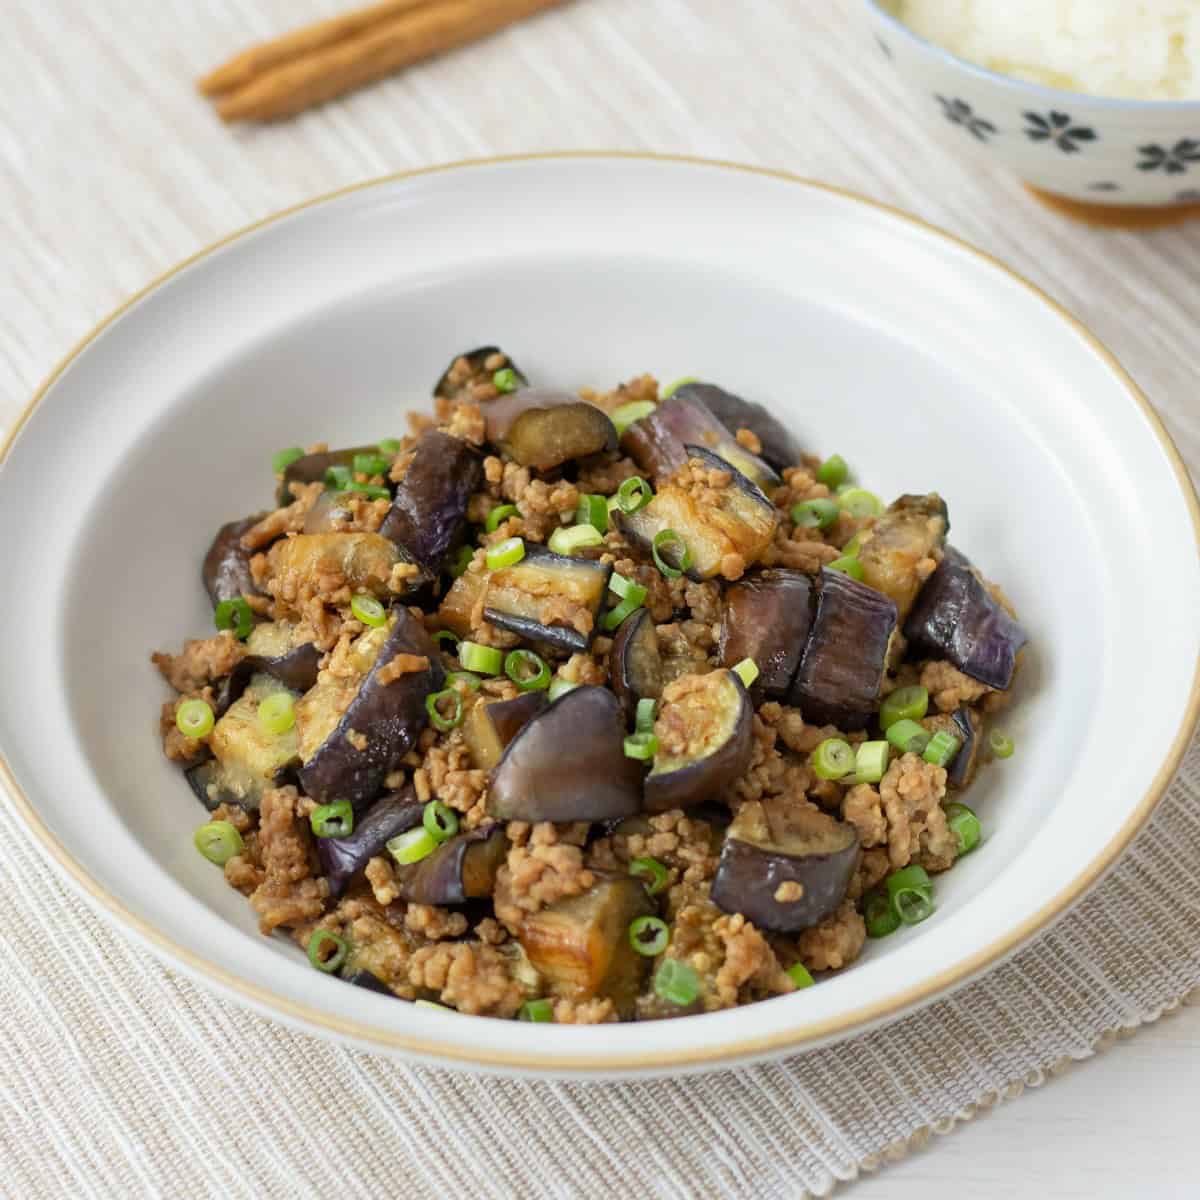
(796,1037)
(1043,90)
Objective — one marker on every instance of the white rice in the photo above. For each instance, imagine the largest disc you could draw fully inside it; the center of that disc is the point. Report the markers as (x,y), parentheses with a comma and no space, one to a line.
(1139,49)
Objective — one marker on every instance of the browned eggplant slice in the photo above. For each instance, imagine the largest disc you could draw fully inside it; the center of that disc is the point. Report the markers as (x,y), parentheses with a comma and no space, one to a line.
(784,865)
(226,570)
(733,524)
(460,600)
(717,714)
(658,442)
(957,618)
(767,619)
(342,858)
(377,728)
(568,764)
(779,449)
(293,666)
(450,387)
(910,533)
(545,438)
(462,869)
(548,597)
(490,726)
(842,668)
(312,467)
(500,414)
(635,667)
(365,560)
(581,946)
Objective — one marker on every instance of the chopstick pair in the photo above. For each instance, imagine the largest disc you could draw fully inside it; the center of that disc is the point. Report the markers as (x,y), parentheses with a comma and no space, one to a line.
(311,65)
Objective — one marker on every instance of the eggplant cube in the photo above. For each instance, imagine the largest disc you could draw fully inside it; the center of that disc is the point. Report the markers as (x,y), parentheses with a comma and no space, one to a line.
(908,535)
(342,858)
(635,666)
(365,560)
(490,726)
(767,619)
(226,570)
(462,869)
(779,449)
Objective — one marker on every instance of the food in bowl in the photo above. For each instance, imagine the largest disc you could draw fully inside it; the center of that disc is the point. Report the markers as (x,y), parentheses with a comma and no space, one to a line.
(587,707)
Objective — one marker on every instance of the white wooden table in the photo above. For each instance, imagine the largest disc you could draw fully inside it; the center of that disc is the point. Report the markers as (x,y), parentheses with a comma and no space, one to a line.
(111,169)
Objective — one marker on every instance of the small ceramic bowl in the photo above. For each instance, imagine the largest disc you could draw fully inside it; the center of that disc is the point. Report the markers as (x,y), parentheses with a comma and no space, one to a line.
(1093,149)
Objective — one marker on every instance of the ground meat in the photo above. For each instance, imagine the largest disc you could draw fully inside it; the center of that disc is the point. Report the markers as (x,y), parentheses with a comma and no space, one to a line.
(288,894)
(873,867)
(663,596)
(376,944)
(401,665)
(789,892)
(583,668)
(749,439)
(446,774)
(469,976)
(704,599)
(538,874)
(464,382)
(433,923)
(242,873)
(834,943)
(466,422)
(644,387)
(948,687)
(605,478)
(289,519)
(381,875)
(176,744)
(684,845)
(201,662)
(688,719)
(862,808)
(802,550)
(543,506)
(911,793)
(597,1011)
(237,816)
(794,732)
(490,930)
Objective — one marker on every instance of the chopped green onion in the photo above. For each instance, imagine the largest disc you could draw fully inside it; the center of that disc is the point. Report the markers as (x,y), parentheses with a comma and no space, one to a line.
(499,515)
(372,491)
(964,824)
(626,587)
(338,477)
(412,845)
(277,713)
(567,541)
(527,670)
(536,1010)
(437,718)
(677,982)
(642,746)
(1000,744)
(633,494)
(505,553)
(218,841)
(663,539)
(833,472)
(647,710)
(870,762)
(746,671)
(370,464)
(471,680)
(235,614)
(440,822)
(943,746)
(560,687)
(461,561)
(904,704)
(858,502)
(798,974)
(614,618)
(626,414)
(848,566)
(649,936)
(880,917)
(450,638)
(284,459)
(909,877)
(911,894)
(814,514)
(505,380)
(853,546)
(672,388)
(333,820)
(593,511)
(833,759)
(652,873)
(316,946)
(484,660)
(194,718)
(389,446)
(907,736)
(368,610)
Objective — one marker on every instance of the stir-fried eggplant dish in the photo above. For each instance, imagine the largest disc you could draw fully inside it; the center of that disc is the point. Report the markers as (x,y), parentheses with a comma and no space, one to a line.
(587,707)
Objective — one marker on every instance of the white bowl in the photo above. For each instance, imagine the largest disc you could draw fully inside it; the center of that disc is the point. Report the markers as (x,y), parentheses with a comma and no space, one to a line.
(1095,149)
(925,363)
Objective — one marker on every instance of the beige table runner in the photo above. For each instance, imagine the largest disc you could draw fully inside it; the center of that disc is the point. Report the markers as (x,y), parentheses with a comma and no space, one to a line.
(123,1079)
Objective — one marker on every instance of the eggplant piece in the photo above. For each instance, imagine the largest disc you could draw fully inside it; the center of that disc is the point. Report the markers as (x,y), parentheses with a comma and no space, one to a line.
(659,442)
(430,506)
(272,650)
(842,669)
(462,869)
(342,858)
(364,559)
(389,716)
(717,713)
(450,389)
(490,726)
(545,438)
(635,666)
(548,597)
(776,842)
(956,618)
(312,467)
(767,619)
(964,725)
(568,764)
(459,602)
(330,514)
(737,520)
(226,570)
(779,449)
(581,946)
(372,983)
(911,531)
(501,414)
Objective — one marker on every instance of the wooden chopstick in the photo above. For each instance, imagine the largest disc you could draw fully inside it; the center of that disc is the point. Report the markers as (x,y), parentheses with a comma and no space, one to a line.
(310,66)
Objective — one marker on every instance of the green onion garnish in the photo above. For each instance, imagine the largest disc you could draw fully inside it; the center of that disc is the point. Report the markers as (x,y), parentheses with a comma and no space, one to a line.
(277,713)
(461,561)
(853,546)
(412,845)
(879,915)
(338,477)
(746,671)
(437,718)
(593,511)
(672,388)
(484,660)
(943,746)
(568,540)
(1000,744)
(633,494)
(652,873)
(647,710)
(667,541)
(439,821)
(649,935)
(904,704)
(615,617)
(469,678)
(505,553)
(218,841)
(677,982)
(536,1010)
(642,746)
(560,687)
(447,640)
(372,491)
(858,502)
(833,472)
(833,759)
(235,614)
(527,670)
(911,894)
(368,610)
(505,380)
(965,826)
(870,762)
(814,514)
(333,820)
(848,566)
(370,464)
(194,718)
(907,736)
(798,974)
(625,588)
(626,414)
(316,946)
(389,446)
(500,514)
(284,459)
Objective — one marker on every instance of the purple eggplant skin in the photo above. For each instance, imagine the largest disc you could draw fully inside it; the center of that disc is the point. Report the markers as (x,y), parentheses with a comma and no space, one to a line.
(372,983)
(430,505)
(767,619)
(965,726)
(226,570)
(842,668)
(297,669)
(720,716)
(204,775)
(569,764)
(635,667)
(779,449)
(389,715)
(462,869)
(500,414)
(491,725)
(312,467)
(773,842)
(956,618)
(342,858)
(445,389)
